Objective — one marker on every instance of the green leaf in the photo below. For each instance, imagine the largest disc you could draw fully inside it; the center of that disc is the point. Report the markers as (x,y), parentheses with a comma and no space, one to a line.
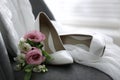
(27,76)
(30,42)
(35,44)
(39,46)
(28,68)
(23,64)
(48,57)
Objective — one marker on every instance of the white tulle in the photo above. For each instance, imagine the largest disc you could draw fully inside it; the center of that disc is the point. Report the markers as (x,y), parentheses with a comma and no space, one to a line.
(108,63)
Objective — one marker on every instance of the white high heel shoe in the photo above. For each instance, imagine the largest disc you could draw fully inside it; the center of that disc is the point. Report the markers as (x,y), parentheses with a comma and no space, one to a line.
(93,43)
(53,44)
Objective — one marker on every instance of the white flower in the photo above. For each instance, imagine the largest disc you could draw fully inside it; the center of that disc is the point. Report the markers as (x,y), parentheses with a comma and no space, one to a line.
(22,40)
(20,58)
(24,47)
(17,67)
(40,68)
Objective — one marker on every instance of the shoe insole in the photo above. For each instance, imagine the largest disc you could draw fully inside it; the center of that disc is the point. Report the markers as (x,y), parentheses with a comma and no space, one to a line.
(76,39)
(48,29)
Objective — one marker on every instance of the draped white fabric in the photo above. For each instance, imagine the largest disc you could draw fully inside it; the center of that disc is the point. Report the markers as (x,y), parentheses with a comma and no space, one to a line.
(7,29)
(22,16)
(109,63)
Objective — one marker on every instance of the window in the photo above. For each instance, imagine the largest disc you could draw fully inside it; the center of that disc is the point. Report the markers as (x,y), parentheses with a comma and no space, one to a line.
(87,13)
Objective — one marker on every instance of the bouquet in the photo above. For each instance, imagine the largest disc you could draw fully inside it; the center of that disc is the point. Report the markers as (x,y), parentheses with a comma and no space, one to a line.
(32,57)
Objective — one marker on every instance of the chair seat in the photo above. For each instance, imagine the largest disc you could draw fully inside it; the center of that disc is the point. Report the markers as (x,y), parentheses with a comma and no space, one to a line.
(66,72)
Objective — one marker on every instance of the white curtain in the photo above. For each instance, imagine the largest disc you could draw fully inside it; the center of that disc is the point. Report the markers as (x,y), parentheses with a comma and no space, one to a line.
(102,11)
(88,15)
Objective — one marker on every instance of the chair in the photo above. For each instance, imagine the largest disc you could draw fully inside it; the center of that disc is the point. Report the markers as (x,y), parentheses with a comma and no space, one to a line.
(66,72)
(6,71)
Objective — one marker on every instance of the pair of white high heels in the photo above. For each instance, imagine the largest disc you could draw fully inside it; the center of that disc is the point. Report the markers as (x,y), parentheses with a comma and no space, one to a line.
(54,43)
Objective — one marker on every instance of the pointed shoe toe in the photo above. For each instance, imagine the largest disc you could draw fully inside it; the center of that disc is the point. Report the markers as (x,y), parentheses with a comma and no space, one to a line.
(61,57)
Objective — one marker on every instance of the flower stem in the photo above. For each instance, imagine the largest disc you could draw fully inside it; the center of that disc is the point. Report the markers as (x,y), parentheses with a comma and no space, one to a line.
(28,75)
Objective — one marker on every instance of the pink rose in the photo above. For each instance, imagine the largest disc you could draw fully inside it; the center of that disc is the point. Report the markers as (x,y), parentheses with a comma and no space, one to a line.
(34,56)
(35,36)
